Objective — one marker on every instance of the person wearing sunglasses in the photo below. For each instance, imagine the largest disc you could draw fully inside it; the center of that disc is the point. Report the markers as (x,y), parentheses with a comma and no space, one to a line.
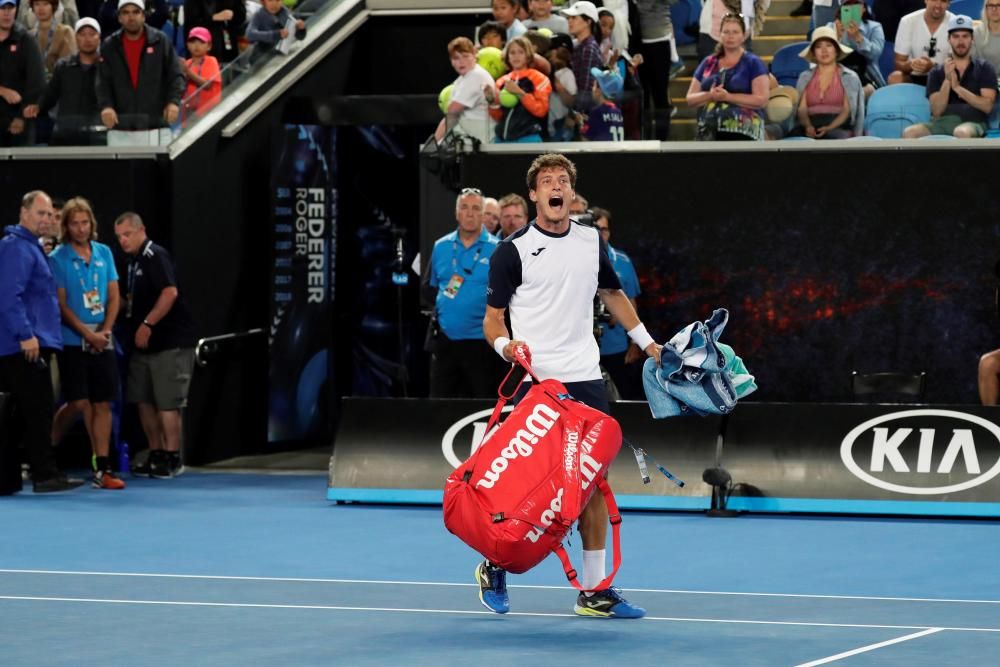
(730,88)
(962,91)
(922,42)
(455,282)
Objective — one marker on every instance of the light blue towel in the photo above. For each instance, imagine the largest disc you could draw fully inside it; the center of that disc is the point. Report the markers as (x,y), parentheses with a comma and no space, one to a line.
(697,374)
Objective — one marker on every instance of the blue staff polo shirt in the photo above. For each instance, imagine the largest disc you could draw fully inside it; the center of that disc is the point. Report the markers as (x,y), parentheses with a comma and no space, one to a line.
(76,277)
(461,312)
(614,340)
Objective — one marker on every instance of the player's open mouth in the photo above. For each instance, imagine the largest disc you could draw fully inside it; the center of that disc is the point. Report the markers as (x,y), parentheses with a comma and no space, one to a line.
(555,201)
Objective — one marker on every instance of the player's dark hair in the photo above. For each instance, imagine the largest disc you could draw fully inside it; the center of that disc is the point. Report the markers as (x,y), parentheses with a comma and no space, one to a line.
(551,161)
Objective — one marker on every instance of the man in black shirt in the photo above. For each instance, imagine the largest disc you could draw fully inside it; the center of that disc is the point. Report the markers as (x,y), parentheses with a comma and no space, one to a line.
(22,78)
(158,322)
(72,88)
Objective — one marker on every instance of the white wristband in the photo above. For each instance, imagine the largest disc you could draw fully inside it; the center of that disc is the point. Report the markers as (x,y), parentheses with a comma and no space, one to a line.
(499,344)
(640,336)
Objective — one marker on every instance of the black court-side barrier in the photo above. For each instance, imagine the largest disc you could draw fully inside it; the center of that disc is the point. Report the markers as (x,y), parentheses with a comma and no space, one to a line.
(782,457)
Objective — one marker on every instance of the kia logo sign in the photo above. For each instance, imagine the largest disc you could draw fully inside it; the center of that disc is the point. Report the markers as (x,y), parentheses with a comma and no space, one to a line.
(923,445)
(467,430)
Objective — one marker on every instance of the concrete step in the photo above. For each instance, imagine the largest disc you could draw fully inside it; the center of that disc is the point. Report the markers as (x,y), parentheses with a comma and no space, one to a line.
(767,45)
(786,25)
(783,7)
(682,129)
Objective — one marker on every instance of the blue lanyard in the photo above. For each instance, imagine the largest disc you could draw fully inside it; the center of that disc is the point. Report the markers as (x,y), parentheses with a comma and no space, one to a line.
(454,257)
(77,261)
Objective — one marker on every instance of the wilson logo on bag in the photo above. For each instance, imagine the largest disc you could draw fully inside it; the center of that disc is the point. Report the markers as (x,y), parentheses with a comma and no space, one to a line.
(517,496)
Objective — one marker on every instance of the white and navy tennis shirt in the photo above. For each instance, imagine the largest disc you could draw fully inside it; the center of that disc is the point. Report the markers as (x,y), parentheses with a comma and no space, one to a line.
(547,283)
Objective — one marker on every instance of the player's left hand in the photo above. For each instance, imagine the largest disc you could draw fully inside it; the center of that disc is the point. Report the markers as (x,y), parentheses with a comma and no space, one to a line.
(653,350)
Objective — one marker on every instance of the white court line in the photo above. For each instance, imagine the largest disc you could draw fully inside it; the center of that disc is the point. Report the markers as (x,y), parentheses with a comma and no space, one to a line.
(447,583)
(870,647)
(251,605)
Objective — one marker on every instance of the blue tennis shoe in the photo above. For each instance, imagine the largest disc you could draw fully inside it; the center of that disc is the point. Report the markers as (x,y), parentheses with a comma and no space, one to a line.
(608,603)
(493,587)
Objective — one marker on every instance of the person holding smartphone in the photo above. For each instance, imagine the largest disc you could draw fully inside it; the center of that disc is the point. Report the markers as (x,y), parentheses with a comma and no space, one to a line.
(866,38)
(87,288)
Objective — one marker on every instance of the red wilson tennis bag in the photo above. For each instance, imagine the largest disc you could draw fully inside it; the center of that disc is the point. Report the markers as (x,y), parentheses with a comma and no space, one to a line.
(518,495)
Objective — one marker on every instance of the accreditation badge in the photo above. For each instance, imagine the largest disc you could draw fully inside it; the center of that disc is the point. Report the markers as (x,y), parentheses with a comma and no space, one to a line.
(455,284)
(92,302)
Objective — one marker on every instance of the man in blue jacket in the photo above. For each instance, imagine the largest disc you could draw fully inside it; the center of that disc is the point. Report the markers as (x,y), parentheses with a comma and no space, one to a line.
(29,332)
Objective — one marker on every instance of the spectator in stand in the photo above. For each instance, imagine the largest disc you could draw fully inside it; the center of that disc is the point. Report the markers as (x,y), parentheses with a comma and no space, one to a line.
(618,354)
(65,13)
(542,17)
(22,79)
(491,215)
(225,20)
(713,13)
(986,35)
(561,127)
(139,82)
(584,26)
(989,373)
(656,68)
(513,214)
(921,42)
(520,101)
(106,13)
(455,281)
(159,323)
(579,205)
(72,89)
(267,27)
(87,289)
(890,12)
(730,89)
(831,99)
(605,122)
(491,33)
(866,39)
(468,110)
(55,40)
(204,84)
(29,333)
(505,13)
(962,90)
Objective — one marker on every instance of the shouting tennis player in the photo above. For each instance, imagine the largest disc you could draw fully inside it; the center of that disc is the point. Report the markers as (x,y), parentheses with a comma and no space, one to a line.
(546,275)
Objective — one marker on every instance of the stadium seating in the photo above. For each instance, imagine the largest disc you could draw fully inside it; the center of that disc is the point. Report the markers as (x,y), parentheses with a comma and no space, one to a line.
(787,64)
(893,108)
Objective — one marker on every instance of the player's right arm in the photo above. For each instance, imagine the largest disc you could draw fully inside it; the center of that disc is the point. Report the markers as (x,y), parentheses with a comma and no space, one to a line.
(495,329)
(505,276)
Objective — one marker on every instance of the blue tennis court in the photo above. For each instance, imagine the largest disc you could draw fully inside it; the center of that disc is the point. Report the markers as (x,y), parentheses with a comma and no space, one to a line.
(237,569)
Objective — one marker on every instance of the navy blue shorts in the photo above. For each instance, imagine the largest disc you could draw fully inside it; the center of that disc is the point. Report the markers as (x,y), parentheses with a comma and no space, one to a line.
(589,392)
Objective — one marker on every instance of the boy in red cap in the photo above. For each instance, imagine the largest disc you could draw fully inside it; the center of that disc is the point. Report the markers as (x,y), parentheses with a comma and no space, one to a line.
(204,85)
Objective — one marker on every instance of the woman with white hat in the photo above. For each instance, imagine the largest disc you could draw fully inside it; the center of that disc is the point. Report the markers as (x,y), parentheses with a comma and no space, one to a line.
(831,101)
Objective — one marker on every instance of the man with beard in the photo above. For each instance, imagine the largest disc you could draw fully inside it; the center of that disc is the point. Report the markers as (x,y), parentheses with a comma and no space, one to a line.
(961,91)
(139,81)
(72,88)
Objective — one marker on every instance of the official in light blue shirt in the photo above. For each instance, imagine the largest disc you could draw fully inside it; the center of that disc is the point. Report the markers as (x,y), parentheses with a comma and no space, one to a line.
(461,273)
(86,284)
(456,278)
(614,339)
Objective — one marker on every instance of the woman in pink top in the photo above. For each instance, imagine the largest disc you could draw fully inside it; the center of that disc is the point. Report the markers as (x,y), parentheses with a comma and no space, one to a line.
(831,99)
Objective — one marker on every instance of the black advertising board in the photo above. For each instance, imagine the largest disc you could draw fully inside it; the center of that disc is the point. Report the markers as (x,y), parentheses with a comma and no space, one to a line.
(867,459)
